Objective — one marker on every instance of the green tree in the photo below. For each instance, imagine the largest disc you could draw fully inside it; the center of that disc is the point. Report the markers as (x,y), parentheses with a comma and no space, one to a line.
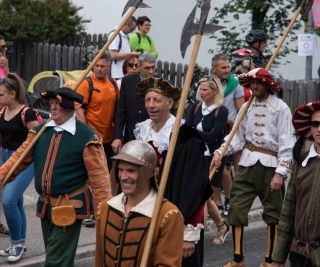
(272,16)
(39,20)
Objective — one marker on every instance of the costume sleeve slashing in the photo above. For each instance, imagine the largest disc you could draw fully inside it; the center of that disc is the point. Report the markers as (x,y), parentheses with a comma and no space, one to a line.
(98,173)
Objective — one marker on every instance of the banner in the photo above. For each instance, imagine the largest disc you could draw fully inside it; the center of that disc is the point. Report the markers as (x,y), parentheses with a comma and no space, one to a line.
(316,14)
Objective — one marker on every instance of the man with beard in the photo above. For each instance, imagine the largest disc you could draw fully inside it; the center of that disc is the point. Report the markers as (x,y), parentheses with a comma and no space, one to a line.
(266,138)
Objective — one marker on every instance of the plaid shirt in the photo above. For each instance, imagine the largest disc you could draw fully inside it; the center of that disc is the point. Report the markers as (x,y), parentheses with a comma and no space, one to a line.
(300,215)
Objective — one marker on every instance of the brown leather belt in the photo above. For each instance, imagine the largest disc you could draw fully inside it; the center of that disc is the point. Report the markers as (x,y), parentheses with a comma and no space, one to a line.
(252,147)
(53,200)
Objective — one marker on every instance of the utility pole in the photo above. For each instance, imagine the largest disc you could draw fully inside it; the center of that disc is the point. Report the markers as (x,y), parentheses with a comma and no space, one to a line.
(310,30)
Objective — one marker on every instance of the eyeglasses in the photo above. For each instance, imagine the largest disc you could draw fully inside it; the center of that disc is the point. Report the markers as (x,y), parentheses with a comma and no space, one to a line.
(12,84)
(132,27)
(133,65)
(315,124)
(147,25)
(3,46)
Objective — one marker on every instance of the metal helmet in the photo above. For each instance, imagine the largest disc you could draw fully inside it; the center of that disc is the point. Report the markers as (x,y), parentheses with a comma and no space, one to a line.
(255,36)
(242,54)
(139,153)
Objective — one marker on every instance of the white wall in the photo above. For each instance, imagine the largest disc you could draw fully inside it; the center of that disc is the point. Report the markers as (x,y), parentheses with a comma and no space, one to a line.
(167,19)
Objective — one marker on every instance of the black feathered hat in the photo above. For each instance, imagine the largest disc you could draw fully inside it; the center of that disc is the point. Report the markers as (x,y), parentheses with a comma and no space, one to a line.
(68,98)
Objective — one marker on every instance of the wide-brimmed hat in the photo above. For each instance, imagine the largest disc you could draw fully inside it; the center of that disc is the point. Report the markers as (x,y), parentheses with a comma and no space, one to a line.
(259,74)
(67,97)
(301,118)
(158,85)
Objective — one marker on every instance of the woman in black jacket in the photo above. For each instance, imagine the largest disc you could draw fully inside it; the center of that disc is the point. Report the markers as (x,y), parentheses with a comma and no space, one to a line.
(209,117)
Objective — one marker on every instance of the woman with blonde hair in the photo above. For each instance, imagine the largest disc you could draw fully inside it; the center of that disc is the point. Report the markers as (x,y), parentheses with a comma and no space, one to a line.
(210,117)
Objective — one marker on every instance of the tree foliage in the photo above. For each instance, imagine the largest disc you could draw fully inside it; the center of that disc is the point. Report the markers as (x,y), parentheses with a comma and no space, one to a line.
(39,20)
(272,16)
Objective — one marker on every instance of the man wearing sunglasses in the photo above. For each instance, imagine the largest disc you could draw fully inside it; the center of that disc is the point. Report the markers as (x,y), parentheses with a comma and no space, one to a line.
(298,231)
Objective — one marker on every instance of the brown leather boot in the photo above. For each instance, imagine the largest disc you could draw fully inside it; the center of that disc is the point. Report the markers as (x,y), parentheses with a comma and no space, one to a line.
(235,264)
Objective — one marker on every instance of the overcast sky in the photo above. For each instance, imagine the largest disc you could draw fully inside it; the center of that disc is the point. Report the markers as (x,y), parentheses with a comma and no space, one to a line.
(167,19)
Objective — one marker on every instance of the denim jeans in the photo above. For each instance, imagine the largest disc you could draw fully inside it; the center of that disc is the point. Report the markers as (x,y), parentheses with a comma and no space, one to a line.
(12,201)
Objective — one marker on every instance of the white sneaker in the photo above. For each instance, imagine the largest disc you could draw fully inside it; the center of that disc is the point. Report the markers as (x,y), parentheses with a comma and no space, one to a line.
(14,253)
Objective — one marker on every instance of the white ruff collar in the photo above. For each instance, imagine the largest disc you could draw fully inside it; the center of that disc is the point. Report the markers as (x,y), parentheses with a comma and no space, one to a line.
(144,131)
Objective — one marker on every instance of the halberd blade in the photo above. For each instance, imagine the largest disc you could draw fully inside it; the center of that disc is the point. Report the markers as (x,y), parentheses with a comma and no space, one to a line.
(134,3)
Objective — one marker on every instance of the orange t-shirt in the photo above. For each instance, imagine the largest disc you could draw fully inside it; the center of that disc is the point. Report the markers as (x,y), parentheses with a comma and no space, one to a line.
(101,110)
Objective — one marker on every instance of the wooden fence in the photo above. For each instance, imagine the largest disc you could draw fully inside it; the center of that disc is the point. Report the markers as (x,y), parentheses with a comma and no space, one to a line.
(29,59)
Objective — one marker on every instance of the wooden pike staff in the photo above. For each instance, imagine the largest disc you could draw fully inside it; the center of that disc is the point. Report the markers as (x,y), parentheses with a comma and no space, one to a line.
(244,111)
(134,5)
(201,25)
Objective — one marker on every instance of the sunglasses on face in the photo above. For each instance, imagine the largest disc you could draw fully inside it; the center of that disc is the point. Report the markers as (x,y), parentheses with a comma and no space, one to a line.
(133,65)
(315,124)
(9,82)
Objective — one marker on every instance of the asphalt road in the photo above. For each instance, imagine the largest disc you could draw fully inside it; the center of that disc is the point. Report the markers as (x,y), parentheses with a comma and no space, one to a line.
(214,255)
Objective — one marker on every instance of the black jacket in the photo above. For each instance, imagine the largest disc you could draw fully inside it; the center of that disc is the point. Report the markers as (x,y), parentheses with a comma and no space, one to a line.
(188,185)
(130,108)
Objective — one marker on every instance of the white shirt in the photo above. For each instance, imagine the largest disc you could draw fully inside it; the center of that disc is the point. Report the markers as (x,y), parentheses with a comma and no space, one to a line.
(69,125)
(266,124)
(205,111)
(116,67)
(144,132)
(312,153)
(145,207)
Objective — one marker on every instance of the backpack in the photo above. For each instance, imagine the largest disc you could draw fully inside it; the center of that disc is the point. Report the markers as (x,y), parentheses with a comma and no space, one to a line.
(227,129)
(91,88)
(23,115)
(139,38)
(120,41)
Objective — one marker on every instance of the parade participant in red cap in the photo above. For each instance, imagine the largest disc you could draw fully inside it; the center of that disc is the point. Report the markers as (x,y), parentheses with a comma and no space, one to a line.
(298,230)
(266,137)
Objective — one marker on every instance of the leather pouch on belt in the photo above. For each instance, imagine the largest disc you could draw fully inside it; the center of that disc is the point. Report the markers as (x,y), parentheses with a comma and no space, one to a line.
(299,259)
(299,255)
(63,216)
